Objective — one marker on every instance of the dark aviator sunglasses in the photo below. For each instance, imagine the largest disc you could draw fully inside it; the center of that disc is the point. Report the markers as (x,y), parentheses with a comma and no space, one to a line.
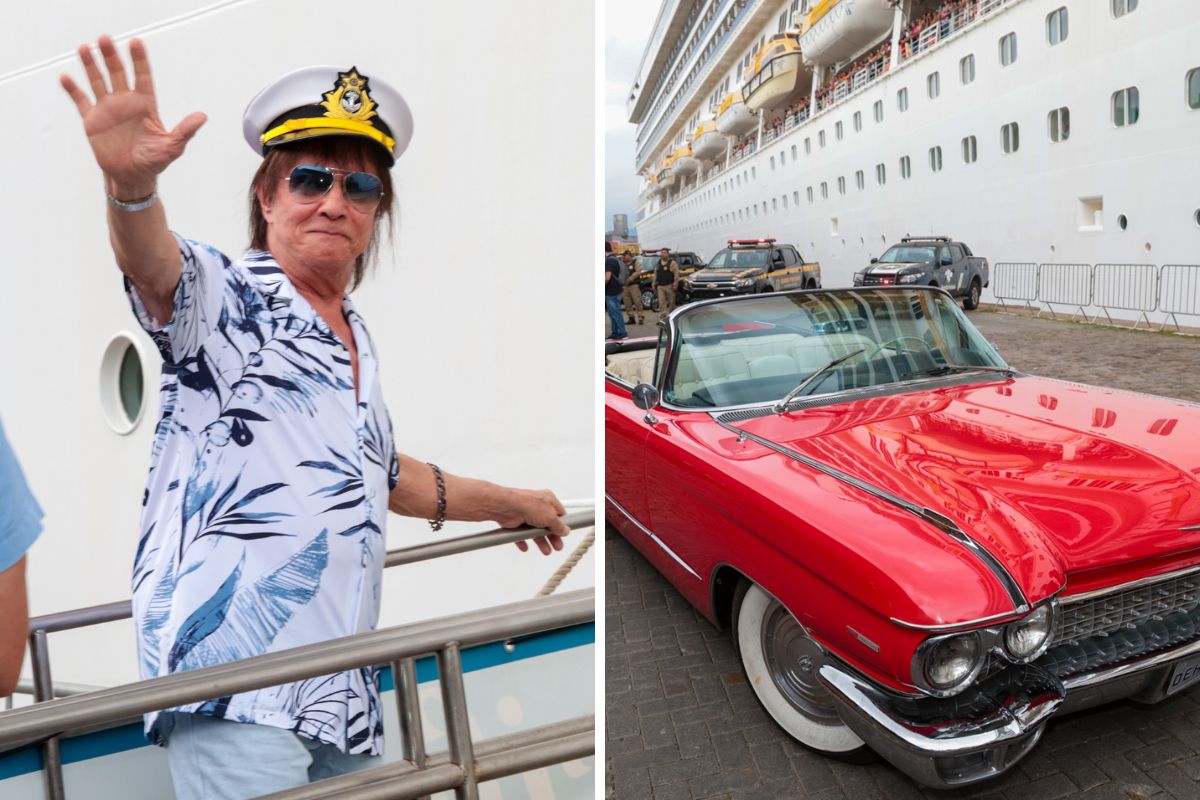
(309,183)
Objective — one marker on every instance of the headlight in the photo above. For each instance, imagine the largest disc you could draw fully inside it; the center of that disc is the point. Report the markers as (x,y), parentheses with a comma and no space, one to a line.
(913,278)
(944,666)
(1025,639)
(858,278)
(742,283)
(687,283)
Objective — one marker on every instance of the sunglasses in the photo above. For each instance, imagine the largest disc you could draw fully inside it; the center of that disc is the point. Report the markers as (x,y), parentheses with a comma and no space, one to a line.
(309,183)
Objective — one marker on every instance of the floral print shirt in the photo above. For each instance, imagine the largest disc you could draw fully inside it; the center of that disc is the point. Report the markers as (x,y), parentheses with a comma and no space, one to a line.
(262,525)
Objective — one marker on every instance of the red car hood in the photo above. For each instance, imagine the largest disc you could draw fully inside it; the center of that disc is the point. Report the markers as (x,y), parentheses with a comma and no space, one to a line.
(1061,482)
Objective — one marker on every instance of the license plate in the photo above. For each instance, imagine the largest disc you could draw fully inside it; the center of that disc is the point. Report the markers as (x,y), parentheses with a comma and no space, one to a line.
(1183,674)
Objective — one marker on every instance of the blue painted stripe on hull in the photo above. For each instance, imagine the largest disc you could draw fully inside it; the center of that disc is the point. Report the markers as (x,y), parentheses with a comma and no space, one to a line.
(130,737)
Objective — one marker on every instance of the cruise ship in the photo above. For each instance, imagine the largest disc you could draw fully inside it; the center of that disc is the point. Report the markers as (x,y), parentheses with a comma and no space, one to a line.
(1060,139)
(471,383)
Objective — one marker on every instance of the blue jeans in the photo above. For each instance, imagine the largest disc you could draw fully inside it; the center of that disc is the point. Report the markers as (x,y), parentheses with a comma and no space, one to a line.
(613,303)
(216,759)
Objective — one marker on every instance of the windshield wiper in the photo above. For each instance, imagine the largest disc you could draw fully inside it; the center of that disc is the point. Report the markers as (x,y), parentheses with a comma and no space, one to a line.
(949,368)
(781,406)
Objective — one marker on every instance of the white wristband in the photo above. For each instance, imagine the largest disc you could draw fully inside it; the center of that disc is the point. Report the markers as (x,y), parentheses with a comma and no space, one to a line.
(132,205)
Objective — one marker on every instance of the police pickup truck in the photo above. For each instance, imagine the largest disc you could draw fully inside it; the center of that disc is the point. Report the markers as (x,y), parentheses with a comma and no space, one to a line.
(929,261)
(750,266)
(688,263)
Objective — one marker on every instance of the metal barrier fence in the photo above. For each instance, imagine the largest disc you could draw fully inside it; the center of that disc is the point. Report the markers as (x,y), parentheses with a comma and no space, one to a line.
(1129,287)
(419,774)
(1170,289)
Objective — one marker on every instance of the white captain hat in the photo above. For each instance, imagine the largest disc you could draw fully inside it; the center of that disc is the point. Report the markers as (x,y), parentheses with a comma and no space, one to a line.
(328,101)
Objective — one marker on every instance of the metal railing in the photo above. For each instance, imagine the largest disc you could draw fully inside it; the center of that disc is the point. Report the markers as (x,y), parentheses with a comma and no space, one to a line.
(938,30)
(1171,289)
(48,719)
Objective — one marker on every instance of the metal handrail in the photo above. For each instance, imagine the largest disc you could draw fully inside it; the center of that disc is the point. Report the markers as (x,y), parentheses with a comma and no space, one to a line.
(48,719)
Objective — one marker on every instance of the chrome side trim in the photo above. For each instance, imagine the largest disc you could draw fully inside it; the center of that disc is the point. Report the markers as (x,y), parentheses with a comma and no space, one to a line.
(950,627)
(1134,584)
(942,523)
(653,538)
(1191,528)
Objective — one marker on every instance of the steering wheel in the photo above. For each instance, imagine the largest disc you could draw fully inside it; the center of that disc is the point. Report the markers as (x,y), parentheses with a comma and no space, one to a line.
(897,339)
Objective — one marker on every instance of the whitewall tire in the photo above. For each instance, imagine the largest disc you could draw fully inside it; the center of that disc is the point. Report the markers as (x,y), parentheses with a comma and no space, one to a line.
(777,656)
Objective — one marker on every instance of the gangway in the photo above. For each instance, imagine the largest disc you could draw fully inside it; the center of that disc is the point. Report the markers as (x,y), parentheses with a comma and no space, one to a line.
(460,768)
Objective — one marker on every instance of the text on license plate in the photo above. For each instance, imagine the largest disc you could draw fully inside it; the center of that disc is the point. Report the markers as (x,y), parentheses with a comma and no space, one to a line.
(1183,674)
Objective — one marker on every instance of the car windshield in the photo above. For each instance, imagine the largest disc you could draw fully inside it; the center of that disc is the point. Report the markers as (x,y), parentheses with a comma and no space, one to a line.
(755,350)
(908,255)
(647,262)
(738,259)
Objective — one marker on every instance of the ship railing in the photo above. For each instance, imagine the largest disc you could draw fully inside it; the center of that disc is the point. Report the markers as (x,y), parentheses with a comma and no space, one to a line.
(962,15)
(1171,290)
(461,768)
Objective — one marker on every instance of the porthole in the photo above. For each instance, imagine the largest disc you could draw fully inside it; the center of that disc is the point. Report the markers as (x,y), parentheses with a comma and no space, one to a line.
(1122,221)
(1147,246)
(1053,248)
(1196,217)
(122,383)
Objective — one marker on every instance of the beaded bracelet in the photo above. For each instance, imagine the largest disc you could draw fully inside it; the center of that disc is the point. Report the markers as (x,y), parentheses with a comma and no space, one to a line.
(438,521)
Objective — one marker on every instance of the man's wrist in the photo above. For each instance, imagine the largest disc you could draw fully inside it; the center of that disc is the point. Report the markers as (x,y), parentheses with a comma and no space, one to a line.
(130,191)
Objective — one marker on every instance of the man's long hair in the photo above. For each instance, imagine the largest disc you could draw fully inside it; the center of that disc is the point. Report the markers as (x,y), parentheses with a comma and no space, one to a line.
(271,174)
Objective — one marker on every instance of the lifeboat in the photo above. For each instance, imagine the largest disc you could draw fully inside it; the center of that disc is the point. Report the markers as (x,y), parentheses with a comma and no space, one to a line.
(841,29)
(685,164)
(779,76)
(734,118)
(708,144)
(666,176)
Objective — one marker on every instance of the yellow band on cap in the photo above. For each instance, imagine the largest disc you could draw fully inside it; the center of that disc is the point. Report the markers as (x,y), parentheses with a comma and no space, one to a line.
(310,126)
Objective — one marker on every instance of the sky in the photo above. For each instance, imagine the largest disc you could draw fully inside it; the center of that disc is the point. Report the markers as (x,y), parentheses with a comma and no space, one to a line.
(627,27)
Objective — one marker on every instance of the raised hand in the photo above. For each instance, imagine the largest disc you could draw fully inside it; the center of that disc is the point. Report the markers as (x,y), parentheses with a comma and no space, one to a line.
(129,140)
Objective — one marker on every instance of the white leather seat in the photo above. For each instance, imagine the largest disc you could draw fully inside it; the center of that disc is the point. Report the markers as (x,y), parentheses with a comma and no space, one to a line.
(707,366)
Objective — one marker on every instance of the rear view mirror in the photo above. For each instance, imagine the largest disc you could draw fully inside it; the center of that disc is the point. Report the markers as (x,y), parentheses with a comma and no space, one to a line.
(645,396)
(874,260)
(947,261)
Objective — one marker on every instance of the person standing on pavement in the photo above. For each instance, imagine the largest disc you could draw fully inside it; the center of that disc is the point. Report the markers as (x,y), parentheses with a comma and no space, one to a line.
(666,276)
(613,286)
(20,524)
(633,292)
(274,464)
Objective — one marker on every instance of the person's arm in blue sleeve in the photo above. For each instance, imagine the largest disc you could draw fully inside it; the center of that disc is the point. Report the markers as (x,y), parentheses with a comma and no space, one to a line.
(20,524)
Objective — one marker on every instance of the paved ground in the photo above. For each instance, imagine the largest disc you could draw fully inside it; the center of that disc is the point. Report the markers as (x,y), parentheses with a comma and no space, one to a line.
(683,725)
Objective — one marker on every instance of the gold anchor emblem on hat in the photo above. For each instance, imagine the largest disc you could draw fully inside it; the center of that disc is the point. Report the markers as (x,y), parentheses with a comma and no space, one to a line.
(349,98)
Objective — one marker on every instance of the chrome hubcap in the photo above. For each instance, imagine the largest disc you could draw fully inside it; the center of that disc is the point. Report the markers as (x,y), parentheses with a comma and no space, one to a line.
(791,657)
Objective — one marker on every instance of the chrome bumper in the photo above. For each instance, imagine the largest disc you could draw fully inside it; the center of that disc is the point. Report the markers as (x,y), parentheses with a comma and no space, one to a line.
(952,752)
(966,748)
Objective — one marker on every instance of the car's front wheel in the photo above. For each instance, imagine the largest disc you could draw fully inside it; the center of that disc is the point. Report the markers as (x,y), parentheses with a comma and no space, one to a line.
(779,659)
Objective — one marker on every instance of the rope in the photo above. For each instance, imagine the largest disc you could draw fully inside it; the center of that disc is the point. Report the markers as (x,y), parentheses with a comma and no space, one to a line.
(568,565)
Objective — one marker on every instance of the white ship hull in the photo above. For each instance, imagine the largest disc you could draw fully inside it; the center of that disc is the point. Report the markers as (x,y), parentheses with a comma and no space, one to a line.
(1038,204)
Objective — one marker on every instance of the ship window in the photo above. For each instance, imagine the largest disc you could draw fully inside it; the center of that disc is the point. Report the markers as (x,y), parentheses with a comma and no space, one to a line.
(821,138)
(933,84)
(772,163)
(902,99)
(879,111)
(880,174)
(969,150)
(774,204)
(824,190)
(1122,7)
(796,197)
(807,145)
(966,69)
(935,159)
(857,121)
(784,198)
(1010,137)
(122,384)
(838,130)
(841,184)
(905,167)
(782,157)
(1056,26)
(793,152)
(1060,124)
(1008,49)
(1125,110)
(753,173)
(859,181)
(756,210)
(1193,88)
(809,192)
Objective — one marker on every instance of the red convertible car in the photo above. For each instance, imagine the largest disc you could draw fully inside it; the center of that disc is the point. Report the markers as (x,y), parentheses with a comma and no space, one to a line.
(918,549)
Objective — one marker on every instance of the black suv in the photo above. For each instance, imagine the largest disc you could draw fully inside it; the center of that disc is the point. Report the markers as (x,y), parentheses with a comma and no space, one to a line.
(750,266)
(929,261)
